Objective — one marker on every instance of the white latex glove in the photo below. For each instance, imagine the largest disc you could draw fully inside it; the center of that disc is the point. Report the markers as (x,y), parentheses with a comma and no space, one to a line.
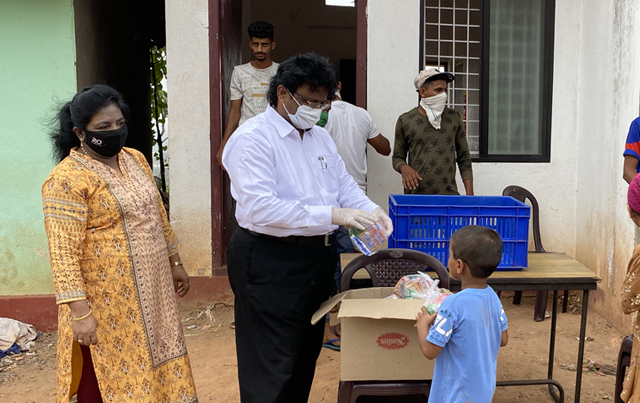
(386,221)
(350,217)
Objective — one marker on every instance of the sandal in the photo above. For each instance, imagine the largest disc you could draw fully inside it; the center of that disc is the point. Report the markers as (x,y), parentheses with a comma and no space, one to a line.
(329,344)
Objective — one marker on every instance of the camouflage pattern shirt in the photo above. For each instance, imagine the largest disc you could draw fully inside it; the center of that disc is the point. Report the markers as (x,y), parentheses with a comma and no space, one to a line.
(433,153)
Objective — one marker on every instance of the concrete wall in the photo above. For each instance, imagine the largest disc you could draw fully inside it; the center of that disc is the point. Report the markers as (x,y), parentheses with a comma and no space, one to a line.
(605,235)
(393,60)
(188,97)
(595,97)
(37,64)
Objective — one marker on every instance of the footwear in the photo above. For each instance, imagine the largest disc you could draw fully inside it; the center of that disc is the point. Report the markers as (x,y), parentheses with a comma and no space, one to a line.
(329,344)
(233,325)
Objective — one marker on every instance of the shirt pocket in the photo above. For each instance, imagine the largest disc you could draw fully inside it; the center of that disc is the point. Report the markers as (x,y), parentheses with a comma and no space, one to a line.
(326,172)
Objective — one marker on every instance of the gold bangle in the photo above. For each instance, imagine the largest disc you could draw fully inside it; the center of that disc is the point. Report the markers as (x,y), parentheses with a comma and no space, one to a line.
(176,263)
(82,317)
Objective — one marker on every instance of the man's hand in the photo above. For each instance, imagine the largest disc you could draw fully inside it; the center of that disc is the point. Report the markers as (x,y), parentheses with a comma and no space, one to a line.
(468,187)
(410,177)
(386,221)
(219,156)
(349,217)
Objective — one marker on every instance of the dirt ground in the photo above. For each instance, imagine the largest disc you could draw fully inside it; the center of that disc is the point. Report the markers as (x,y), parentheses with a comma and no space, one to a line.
(30,377)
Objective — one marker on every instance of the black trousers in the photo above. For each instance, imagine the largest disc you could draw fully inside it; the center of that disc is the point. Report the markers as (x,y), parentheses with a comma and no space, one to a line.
(277,287)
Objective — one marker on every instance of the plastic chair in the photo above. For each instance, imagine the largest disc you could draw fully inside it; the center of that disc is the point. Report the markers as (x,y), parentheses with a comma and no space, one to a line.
(522,194)
(624,360)
(389,265)
(385,268)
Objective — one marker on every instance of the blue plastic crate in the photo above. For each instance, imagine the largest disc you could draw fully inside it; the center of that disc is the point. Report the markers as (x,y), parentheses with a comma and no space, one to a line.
(426,223)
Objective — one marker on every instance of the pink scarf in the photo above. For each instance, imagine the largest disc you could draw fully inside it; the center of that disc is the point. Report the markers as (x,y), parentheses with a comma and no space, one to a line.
(633,194)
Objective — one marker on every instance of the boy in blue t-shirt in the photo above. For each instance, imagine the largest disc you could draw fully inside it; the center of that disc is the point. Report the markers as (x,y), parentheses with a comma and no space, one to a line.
(470,326)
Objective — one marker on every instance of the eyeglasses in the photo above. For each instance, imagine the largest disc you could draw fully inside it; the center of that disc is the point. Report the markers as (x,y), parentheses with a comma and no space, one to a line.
(315,105)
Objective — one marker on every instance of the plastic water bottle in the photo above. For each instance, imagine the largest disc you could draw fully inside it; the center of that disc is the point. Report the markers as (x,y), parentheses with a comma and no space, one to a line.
(369,240)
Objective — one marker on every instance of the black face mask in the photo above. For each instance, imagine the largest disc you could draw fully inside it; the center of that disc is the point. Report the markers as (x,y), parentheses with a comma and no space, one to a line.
(106,143)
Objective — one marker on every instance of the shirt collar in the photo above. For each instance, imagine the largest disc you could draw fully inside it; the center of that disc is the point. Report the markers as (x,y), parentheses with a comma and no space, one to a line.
(283,127)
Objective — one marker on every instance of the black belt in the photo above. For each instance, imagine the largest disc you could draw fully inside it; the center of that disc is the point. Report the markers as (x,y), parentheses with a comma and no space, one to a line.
(323,240)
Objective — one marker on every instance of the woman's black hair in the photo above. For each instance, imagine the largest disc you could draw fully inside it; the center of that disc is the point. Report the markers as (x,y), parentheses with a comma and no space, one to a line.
(306,68)
(78,112)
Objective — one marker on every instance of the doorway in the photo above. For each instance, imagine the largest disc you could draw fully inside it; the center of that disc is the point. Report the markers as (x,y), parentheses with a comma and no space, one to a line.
(113,40)
(339,33)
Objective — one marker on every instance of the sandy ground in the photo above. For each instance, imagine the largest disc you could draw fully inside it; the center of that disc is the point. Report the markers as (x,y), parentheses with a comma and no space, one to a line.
(31,378)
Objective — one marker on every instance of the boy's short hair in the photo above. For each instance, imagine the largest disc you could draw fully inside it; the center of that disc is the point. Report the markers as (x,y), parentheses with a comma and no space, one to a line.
(479,247)
(260,29)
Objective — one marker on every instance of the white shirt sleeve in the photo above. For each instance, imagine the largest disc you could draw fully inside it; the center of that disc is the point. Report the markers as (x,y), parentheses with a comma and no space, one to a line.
(367,125)
(253,175)
(235,88)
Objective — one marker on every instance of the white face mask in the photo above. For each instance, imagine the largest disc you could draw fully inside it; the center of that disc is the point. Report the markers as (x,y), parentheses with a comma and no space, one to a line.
(305,117)
(434,106)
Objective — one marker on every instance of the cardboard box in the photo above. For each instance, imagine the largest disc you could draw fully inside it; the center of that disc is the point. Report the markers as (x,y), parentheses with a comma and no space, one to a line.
(378,341)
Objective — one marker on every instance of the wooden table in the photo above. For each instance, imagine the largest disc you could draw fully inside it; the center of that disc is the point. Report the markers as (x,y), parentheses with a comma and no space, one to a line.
(546,271)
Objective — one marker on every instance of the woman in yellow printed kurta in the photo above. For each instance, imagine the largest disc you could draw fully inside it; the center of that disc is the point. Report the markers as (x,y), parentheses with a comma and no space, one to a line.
(115,265)
(631,298)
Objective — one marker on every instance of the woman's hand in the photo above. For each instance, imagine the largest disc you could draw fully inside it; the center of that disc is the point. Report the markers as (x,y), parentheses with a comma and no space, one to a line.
(84,331)
(180,280)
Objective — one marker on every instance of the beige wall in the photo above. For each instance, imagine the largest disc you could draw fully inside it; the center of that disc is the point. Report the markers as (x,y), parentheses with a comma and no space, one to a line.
(188,128)
(581,191)
(610,36)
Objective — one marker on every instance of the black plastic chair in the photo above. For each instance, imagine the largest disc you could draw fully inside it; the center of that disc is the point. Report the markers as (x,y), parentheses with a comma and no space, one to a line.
(522,195)
(385,269)
(389,265)
(624,360)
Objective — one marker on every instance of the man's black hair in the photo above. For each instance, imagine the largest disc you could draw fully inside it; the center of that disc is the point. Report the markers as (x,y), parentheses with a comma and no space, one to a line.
(305,68)
(260,29)
(479,247)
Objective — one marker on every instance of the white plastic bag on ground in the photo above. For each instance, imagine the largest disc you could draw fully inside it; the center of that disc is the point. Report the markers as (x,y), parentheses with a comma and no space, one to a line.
(13,331)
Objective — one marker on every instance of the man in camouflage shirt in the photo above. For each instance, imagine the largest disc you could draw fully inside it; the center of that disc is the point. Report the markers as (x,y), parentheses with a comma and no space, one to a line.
(433,136)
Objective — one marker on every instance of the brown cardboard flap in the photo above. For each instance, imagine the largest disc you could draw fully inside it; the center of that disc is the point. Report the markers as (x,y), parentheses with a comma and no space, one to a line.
(370,293)
(326,306)
(380,308)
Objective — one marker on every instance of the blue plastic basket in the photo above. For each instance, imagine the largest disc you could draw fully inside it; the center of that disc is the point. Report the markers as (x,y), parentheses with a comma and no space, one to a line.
(426,223)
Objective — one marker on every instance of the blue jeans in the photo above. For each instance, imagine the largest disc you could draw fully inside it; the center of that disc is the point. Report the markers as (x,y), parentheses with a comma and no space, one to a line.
(344,246)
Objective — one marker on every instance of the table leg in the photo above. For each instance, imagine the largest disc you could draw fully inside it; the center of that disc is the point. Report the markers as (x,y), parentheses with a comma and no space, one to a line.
(583,331)
(552,348)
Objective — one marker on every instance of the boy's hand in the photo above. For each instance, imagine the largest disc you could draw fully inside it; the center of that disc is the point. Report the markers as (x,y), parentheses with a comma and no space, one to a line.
(424,320)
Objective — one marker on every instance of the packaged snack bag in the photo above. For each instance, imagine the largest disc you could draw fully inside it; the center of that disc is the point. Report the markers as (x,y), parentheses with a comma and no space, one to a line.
(421,286)
(369,240)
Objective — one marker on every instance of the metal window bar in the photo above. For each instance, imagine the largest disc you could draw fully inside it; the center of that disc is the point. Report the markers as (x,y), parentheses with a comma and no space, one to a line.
(455,51)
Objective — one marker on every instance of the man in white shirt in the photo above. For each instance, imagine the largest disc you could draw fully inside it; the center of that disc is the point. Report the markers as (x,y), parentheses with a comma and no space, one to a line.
(351,128)
(250,81)
(292,192)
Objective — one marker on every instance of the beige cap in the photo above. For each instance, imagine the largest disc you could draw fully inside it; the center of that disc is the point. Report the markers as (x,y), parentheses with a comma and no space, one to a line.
(430,75)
